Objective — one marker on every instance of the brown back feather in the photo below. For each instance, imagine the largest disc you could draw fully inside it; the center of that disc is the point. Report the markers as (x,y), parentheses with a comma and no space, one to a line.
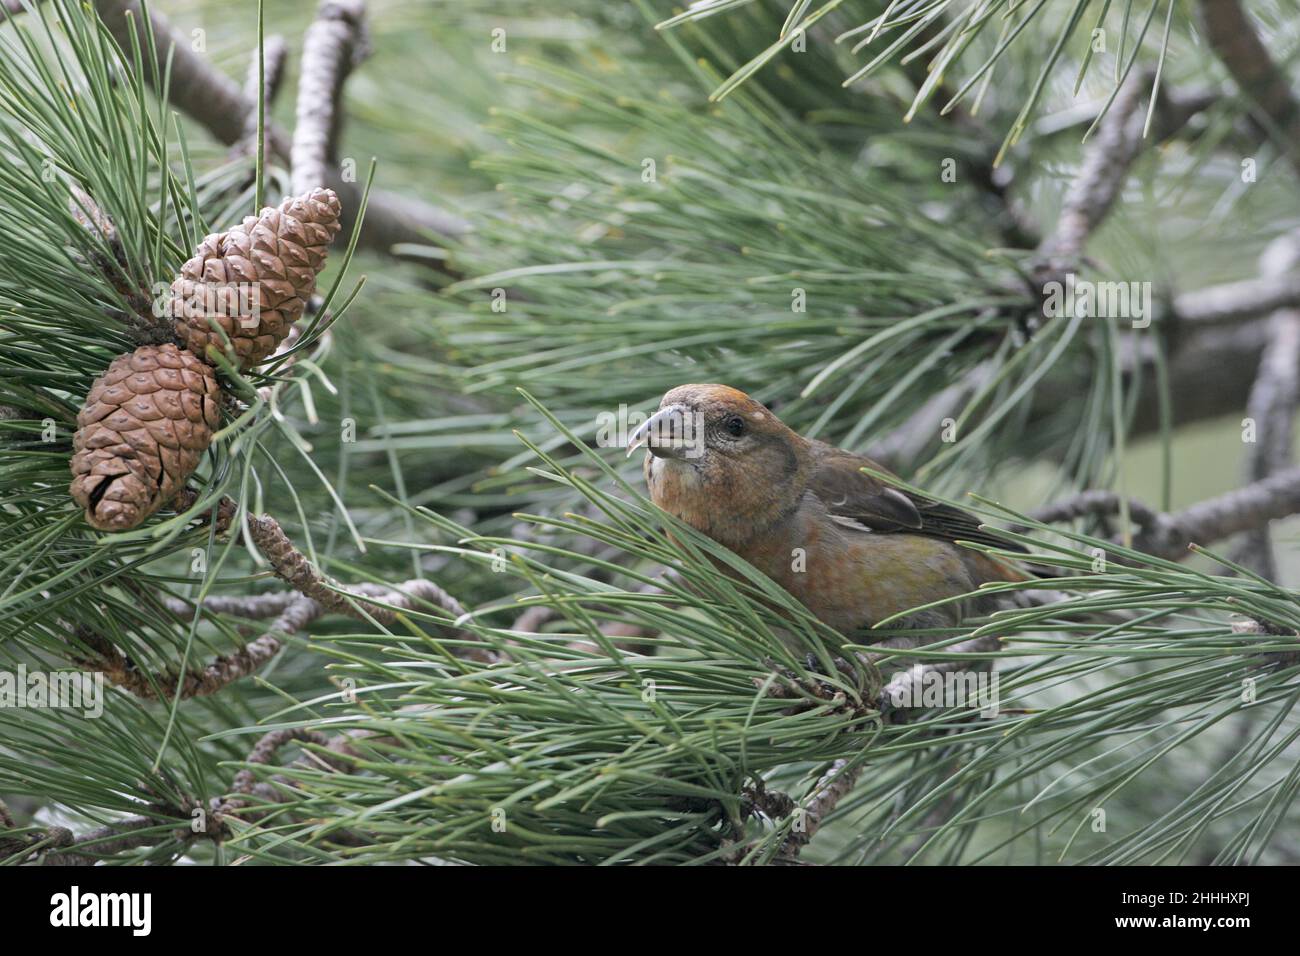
(851,494)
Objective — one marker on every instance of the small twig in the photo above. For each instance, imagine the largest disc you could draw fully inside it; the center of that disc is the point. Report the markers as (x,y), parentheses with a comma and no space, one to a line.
(832,787)
(362,602)
(339,758)
(335,43)
(314,595)
(115,838)
(254,607)
(1105,166)
(263,752)
(1107,160)
(59,846)
(1214,519)
(223,512)
(293,613)
(121,671)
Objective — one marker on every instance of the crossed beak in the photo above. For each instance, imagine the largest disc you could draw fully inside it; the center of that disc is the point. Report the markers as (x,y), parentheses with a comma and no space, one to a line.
(664,434)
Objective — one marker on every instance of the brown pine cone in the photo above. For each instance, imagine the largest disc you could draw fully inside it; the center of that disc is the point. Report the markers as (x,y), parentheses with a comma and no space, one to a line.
(254,281)
(141,432)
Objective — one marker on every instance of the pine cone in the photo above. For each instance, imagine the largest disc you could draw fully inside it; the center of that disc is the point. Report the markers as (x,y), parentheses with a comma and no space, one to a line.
(141,432)
(254,281)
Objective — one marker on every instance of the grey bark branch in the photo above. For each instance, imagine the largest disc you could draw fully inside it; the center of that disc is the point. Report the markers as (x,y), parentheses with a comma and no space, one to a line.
(1108,158)
(1273,400)
(274,57)
(1219,337)
(217,103)
(335,43)
(1170,535)
(255,607)
(1233,301)
(1210,372)
(1214,519)
(1233,38)
(1095,503)
(1090,197)
(264,752)
(1101,175)
(127,834)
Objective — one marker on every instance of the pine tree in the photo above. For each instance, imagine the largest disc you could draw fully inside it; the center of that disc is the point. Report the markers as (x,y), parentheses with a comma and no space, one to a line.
(408,600)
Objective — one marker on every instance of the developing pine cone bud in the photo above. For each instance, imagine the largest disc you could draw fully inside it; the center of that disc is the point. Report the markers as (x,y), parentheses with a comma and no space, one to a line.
(141,432)
(254,280)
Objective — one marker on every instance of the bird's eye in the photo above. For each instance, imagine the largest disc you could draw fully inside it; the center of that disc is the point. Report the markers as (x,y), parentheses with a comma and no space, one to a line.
(735,426)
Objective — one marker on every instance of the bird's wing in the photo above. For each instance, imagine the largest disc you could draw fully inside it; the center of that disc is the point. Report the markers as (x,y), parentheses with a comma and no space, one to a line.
(856,498)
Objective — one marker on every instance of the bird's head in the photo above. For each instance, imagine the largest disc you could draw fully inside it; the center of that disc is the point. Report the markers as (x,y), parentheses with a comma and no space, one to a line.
(718,458)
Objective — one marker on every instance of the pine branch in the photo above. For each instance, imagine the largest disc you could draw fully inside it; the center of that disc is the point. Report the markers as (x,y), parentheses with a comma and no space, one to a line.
(1106,162)
(839,780)
(1095,503)
(59,846)
(142,325)
(1089,199)
(1107,159)
(1214,519)
(1232,37)
(365,602)
(264,752)
(334,44)
(118,669)
(1273,401)
(1218,342)
(1233,301)
(314,596)
(253,607)
(216,102)
(1170,535)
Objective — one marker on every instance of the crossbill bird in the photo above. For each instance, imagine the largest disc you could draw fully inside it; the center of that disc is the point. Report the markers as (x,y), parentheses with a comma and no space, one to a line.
(853,549)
